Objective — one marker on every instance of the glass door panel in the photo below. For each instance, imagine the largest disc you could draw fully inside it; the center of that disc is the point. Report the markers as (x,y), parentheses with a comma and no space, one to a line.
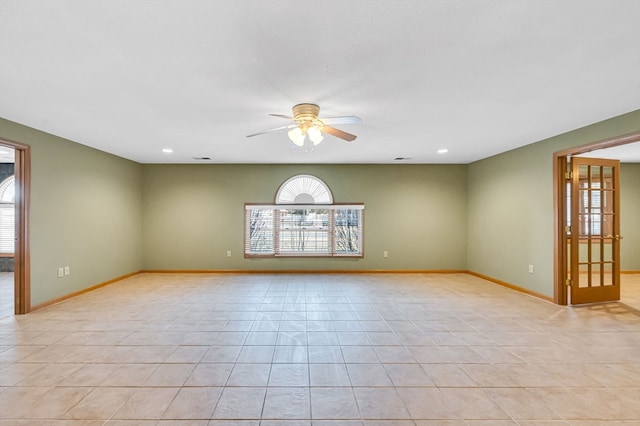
(594,246)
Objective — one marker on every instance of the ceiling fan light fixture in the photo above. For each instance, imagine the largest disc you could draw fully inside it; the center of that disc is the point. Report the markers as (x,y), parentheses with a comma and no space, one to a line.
(315,135)
(297,136)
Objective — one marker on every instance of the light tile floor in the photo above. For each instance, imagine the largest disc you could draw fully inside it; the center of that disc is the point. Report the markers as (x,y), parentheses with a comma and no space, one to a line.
(326,350)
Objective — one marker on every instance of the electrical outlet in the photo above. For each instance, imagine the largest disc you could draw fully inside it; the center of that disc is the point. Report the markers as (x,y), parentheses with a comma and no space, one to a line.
(67,271)
(531,269)
(385,254)
(60,272)
(228,253)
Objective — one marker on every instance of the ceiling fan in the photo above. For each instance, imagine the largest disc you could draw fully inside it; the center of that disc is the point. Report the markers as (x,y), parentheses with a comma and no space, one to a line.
(306,122)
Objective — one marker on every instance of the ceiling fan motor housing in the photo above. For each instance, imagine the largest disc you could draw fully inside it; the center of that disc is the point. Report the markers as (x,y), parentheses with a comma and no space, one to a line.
(306,112)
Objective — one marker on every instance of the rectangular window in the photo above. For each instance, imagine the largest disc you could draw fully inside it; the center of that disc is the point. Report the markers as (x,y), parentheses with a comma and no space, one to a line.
(7,228)
(259,230)
(303,230)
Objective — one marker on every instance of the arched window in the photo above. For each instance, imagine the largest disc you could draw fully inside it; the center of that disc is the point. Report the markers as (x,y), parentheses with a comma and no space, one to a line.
(7,215)
(303,222)
(8,190)
(304,189)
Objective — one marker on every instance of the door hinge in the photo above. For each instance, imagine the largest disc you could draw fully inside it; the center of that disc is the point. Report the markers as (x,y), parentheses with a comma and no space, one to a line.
(567,229)
(568,175)
(567,283)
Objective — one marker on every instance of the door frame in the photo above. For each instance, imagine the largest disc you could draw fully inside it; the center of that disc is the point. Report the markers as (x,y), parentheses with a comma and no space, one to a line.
(22,255)
(560,208)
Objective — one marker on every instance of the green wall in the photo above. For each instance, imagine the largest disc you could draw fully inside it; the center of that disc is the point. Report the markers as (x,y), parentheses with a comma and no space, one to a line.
(85,213)
(510,206)
(630,216)
(193,214)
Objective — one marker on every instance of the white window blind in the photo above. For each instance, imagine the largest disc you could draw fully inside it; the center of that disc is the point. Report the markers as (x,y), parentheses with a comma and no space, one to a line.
(259,231)
(7,216)
(303,230)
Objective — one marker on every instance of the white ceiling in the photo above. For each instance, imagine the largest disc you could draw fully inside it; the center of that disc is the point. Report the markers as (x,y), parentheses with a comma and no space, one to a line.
(629,153)
(476,77)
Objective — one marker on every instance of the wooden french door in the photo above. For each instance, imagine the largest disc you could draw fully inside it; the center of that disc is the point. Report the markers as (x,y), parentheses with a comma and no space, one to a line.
(594,230)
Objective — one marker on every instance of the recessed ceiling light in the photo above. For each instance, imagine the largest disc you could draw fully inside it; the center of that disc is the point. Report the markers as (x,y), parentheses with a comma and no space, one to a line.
(167,150)
(443,151)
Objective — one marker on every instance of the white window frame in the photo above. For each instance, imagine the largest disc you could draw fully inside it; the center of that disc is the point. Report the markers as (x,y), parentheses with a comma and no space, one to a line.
(303,222)
(276,235)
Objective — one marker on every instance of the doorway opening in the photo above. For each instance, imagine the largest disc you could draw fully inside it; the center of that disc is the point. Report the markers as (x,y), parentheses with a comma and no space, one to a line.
(561,171)
(15,285)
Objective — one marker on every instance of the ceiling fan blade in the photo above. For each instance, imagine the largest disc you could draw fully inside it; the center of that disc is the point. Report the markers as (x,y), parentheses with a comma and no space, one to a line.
(339,133)
(347,119)
(282,116)
(272,130)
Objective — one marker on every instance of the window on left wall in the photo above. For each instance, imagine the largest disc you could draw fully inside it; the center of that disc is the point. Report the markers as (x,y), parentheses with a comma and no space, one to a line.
(7,216)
